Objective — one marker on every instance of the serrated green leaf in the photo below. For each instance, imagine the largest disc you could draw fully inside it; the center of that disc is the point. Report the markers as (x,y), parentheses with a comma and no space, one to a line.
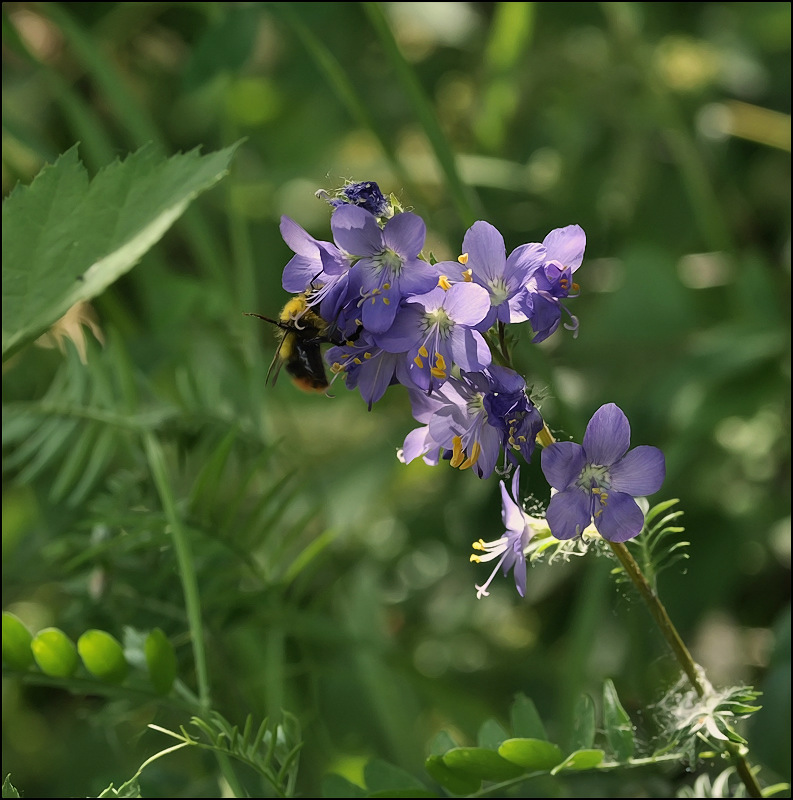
(491,734)
(66,239)
(580,760)
(583,735)
(381,776)
(334,785)
(9,790)
(103,656)
(455,782)
(617,724)
(526,722)
(16,642)
(161,661)
(55,653)
(531,754)
(476,762)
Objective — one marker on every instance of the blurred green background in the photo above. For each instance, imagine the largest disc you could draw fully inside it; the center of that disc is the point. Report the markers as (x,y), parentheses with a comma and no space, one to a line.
(335,582)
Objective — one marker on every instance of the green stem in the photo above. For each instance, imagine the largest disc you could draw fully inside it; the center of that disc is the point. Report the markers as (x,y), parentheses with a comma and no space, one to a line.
(185,565)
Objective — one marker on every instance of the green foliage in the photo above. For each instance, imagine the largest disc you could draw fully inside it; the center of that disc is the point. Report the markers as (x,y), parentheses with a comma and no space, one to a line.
(160,660)
(659,546)
(17,653)
(270,749)
(55,653)
(103,656)
(66,239)
(9,790)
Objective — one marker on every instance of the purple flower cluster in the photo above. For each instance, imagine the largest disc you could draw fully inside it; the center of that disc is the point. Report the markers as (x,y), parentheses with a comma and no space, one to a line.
(396,317)
(399,318)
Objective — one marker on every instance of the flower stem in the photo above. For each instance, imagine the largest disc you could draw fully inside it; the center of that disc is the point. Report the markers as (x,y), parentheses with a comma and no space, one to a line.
(681,653)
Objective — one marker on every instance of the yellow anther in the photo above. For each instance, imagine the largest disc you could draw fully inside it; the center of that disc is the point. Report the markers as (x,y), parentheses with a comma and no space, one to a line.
(475,559)
(386,301)
(480,545)
(437,373)
(357,360)
(335,367)
(367,355)
(444,283)
(473,458)
(463,259)
(440,361)
(458,455)
(386,286)
(423,352)
(418,362)
(468,275)
(576,287)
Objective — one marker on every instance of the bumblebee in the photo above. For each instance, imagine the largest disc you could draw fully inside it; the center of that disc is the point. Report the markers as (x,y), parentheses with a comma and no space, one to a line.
(301,331)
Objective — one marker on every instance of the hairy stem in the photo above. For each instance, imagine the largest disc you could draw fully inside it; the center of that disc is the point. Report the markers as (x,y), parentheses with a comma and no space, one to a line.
(681,653)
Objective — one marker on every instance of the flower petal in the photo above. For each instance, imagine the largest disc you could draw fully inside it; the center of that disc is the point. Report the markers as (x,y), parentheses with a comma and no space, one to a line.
(608,436)
(621,518)
(486,252)
(640,472)
(466,303)
(568,512)
(562,463)
(405,234)
(356,231)
(469,349)
(511,512)
(566,245)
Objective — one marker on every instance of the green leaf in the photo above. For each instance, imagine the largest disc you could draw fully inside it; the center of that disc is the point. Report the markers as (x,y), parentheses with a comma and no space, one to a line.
(66,238)
(161,661)
(475,762)
(103,656)
(491,734)
(526,722)
(55,653)
(455,782)
(617,723)
(334,785)
(583,736)
(581,759)
(531,754)
(9,790)
(16,643)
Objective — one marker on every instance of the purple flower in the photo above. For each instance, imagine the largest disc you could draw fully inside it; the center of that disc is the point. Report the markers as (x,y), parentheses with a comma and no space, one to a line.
(315,262)
(435,330)
(598,481)
(510,549)
(387,266)
(368,367)
(471,418)
(552,282)
(322,271)
(504,278)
